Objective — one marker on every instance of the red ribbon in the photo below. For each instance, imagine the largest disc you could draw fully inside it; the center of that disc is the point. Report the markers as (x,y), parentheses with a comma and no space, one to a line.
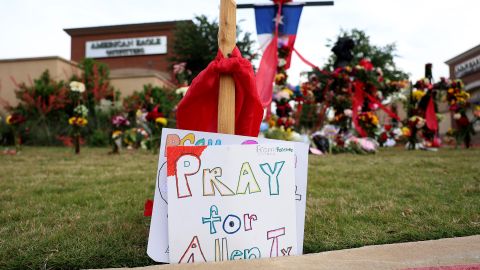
(358,97)
(431,116)
(357,102)
(385,109)
(147,212)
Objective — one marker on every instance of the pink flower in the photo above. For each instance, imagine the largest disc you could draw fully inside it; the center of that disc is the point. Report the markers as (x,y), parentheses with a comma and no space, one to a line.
(119,120)
(179,68)
(348,112)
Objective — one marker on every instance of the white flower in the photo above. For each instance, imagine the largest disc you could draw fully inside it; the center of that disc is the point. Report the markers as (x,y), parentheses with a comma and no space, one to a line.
(389,143)
(348,112)
(380,95)
(330,114)
(282,95)
(457,116)
(182,91)
(81,110)
(77,86)
(397,132)
(420,123)
(282,62)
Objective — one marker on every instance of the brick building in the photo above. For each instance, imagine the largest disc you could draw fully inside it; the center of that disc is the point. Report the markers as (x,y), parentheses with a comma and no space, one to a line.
(466,66)
(142,46)
(137,54)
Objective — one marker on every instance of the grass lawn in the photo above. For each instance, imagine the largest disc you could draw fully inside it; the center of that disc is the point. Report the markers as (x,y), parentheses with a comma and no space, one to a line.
(58,210)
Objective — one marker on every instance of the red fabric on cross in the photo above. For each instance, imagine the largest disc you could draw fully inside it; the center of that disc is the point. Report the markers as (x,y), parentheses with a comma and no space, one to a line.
(198,110)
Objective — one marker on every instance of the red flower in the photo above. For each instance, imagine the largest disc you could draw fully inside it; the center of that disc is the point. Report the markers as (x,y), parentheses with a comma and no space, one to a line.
(367,65)
(383,137)
(154,114)
(463,121)
(15,119)
(388,127)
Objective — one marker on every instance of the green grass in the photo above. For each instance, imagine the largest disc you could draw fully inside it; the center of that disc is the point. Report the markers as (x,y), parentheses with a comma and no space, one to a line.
(58,210)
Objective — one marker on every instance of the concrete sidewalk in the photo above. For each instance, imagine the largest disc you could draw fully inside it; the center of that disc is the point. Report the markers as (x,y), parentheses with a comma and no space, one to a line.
(443,252)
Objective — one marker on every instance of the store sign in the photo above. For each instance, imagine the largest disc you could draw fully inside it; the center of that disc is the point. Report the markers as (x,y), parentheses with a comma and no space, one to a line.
(467,67)
(126,47)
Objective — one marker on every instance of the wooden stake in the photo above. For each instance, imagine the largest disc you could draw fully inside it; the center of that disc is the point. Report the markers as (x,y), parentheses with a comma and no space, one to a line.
(226,43)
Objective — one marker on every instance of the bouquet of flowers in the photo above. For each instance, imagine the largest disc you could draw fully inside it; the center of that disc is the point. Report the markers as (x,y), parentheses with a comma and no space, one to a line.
(119,124)
(349,97)
(369,122)
(15,120)
(78,120)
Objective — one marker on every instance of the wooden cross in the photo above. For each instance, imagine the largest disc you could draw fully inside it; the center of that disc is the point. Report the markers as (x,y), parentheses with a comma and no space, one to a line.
(226,42)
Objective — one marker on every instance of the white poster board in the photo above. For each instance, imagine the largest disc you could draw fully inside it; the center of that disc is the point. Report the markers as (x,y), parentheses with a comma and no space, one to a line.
(231,202)
(157,247)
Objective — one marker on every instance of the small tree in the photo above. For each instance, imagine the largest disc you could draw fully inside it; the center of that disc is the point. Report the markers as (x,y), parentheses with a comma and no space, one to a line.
(43,103)
(197,44)
(95,76)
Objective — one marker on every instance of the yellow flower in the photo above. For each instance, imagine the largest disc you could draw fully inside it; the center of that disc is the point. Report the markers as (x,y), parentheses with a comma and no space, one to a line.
(417,94)
(406,132)
(81,121)
(288,91)
(77,121)
(271,123)
(116,134)
(450,90)
(162,121)
(9,120)
(374,120)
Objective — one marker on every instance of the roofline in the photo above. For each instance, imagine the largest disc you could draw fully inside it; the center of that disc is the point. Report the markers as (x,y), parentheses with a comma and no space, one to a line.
(135,76)
(109,29)
(464,54)
(41,58)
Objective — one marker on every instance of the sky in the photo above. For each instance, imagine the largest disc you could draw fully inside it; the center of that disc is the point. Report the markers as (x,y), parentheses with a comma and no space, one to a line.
(423,30)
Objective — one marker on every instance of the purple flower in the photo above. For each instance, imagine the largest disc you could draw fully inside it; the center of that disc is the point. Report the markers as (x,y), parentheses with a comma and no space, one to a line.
(119,121)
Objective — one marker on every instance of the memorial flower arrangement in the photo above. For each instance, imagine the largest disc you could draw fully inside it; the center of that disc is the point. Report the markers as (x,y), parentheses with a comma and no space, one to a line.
(182,76)
(283,93)
(78,121)
(369,122)
(157,122)
(458,101)
(135,138)
(152,98)
(119,125)
(389,135)
(14,121)
(181,73)
(422,120)
(348,98)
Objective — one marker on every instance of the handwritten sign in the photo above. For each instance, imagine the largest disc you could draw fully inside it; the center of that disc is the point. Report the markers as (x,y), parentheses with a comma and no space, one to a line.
(231,202)
(158,248)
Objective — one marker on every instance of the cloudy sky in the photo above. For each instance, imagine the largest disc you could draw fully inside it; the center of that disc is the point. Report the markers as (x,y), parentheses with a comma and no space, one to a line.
(424,30)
